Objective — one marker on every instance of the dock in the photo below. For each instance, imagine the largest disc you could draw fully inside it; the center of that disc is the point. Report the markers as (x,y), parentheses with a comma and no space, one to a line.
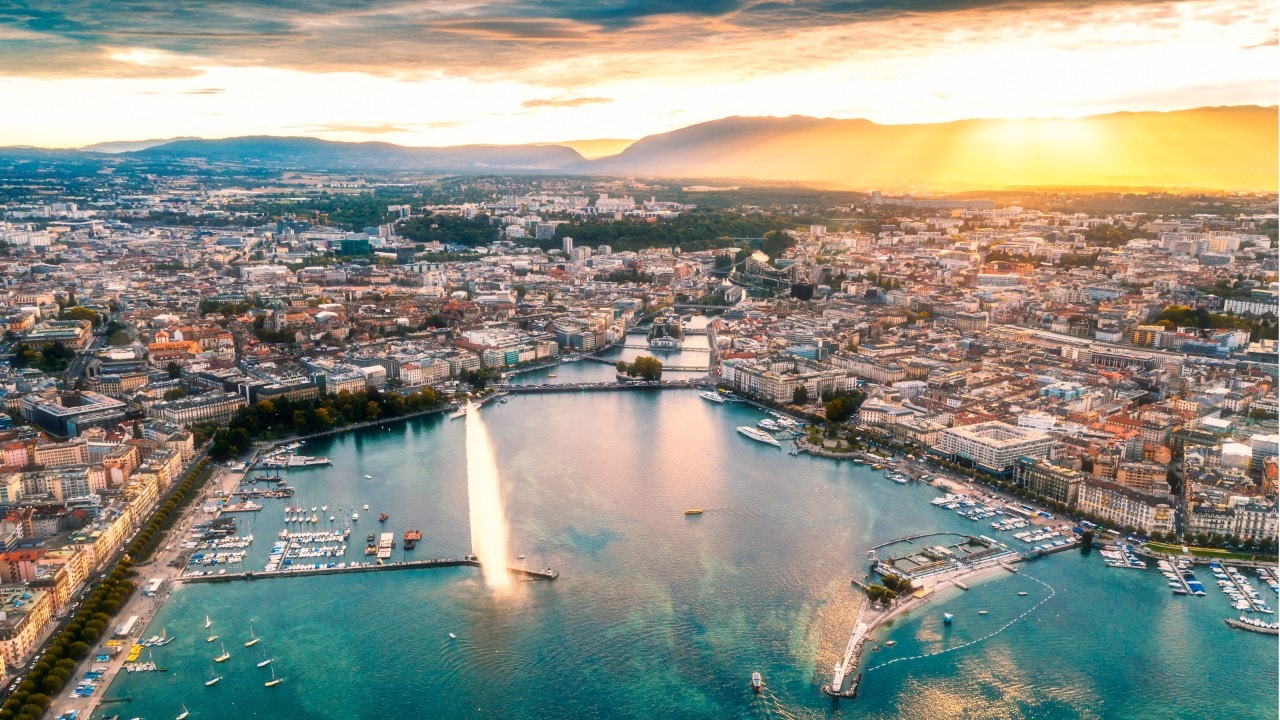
(547,574)
(1263,629)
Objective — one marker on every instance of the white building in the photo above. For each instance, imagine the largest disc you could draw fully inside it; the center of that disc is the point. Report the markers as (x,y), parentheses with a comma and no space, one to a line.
(993,446)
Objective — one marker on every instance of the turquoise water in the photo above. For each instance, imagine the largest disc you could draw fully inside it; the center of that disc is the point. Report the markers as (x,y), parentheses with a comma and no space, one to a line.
(661,615)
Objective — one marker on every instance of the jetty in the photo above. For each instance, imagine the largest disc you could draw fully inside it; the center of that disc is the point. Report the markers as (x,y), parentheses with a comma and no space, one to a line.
(850,660)
(1256,626)
(341,568)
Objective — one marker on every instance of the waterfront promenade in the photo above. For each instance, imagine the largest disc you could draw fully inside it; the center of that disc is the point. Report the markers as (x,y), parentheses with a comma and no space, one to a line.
(166,565)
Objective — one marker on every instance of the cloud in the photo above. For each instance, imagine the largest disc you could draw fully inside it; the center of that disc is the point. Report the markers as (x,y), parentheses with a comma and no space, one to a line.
(566,102)
(564,44)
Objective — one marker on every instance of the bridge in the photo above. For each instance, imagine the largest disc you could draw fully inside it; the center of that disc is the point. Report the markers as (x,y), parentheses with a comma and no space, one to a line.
(632,346)
(673,368)
(602,386)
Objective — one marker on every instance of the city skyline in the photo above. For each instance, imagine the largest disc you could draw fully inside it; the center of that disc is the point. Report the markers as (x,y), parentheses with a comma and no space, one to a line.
(519,72)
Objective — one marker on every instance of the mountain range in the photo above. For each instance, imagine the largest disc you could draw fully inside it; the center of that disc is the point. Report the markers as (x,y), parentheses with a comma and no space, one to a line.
(1223,148)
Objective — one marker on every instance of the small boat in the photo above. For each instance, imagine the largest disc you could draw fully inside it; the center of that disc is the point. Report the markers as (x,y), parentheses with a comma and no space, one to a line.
(946,618)
(551,375)
(757,682)
(452,636)
(207,622)
(519,557)
(274,681)
(355,517)
(184,714)
(693,511)
(366,506)
(1022,593)
(253,639)
(368,477)
(211,638)
(265,661)
(982,612)
(890,643)
(212,681)
(383,517)
(225,656)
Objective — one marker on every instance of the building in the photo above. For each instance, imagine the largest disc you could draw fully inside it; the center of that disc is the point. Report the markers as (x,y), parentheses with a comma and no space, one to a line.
(1125,507)
(1145,477)
(778,379)
(216,407)
(67,414)
(72,452)
(24,614)
(1245,518)
(993,446)
(1047,480)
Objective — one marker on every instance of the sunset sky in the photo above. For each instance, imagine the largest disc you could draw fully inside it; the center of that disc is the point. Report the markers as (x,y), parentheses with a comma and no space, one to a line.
(74,72)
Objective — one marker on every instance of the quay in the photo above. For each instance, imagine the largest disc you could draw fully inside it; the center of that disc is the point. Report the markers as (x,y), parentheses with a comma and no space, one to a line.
(547,574)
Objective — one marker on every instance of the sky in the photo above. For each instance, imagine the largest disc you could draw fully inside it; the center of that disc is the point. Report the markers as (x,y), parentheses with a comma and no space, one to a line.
(75,72)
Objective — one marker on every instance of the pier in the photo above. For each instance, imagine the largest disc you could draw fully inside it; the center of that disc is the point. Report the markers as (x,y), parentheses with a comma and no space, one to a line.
(1264,629)
(847,663)
(547,574)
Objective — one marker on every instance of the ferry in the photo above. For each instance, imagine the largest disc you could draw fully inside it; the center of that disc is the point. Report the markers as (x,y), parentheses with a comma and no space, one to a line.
(759,436)
(693,511)
(757,682)
(459,413)
(711,395)
(665,342)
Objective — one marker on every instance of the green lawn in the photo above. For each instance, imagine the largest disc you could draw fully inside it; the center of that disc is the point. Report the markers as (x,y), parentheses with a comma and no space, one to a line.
(1205,552)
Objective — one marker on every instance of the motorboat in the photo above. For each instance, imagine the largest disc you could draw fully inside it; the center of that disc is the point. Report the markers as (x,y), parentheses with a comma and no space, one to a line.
(757,682)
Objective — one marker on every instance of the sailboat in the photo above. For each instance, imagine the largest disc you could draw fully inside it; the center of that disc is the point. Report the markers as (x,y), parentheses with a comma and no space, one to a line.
(207,622)
(184,714)
(225,656)
(254,639)
(214,677)
(274,680)
(265,661)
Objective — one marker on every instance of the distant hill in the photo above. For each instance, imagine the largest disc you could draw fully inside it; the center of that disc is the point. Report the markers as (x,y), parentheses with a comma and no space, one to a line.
(593,149)
(314,154)
(119,146)
(1210,148)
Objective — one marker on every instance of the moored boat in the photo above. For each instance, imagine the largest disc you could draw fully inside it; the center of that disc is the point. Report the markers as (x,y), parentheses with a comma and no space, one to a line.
(711,395)
(759,436)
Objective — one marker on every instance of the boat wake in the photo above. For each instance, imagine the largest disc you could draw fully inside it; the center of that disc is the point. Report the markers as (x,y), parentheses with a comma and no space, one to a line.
(988,636)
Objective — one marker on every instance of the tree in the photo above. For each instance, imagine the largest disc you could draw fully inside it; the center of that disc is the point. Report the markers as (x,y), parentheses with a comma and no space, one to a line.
(119,338)
(174,394)
(80,313)
(838,410)
(800,396)
(174,370)
(645,367)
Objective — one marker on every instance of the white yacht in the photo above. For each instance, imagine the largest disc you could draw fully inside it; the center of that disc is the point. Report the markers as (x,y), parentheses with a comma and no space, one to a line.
(711,395)
(759,436)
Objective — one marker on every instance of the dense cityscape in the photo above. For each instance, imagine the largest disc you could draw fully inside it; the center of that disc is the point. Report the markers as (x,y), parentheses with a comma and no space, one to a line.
(1115,364)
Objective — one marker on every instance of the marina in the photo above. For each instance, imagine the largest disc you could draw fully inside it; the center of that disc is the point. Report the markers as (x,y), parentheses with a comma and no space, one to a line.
(756,502)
